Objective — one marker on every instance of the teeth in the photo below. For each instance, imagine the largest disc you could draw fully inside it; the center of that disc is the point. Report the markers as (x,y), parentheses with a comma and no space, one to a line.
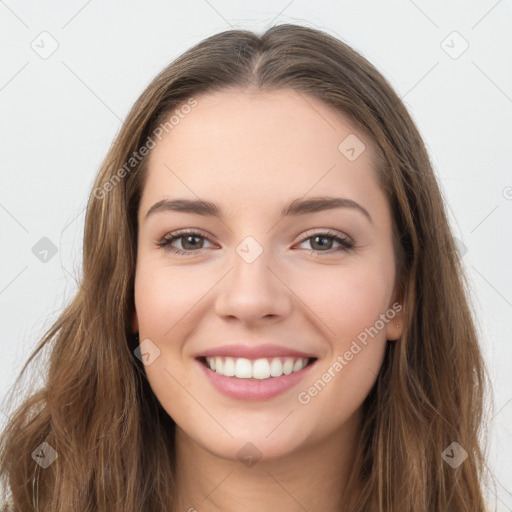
(276,368)
(288,367)
(243,368)
(229,367)
(298,365)
(261,369)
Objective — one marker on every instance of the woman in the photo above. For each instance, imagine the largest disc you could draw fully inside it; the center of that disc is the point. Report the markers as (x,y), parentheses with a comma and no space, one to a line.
(272,312)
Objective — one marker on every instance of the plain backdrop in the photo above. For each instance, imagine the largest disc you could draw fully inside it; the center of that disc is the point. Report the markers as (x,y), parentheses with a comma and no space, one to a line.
(70,71)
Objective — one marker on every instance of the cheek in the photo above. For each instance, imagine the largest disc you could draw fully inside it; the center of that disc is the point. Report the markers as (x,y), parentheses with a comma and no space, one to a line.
(164,299)
(168,303)
(350,299)
(350,303)
(163,296)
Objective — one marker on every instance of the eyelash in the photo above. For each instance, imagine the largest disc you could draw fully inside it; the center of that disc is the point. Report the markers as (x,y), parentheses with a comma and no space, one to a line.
(346,243)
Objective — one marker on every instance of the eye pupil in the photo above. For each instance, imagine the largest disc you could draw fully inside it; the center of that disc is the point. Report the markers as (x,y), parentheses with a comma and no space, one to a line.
(186,240)
(192,243)
(318,237)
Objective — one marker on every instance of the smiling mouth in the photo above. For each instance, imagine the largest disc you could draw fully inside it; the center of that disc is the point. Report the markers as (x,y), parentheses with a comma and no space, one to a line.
(256,369)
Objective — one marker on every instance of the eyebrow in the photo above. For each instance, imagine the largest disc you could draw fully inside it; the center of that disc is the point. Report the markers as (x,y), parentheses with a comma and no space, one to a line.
(293,208)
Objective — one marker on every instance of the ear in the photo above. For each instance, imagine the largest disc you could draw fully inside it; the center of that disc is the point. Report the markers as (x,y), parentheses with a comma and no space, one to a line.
(396,314)
(135,322)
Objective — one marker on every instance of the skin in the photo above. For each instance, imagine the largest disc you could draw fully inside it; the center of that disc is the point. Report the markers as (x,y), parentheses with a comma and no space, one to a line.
(251,152)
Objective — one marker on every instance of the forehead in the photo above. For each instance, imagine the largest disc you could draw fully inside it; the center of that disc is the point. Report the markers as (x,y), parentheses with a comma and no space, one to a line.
(254,147)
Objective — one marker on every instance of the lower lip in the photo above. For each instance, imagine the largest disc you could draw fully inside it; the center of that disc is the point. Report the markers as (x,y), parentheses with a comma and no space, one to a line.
(254,389)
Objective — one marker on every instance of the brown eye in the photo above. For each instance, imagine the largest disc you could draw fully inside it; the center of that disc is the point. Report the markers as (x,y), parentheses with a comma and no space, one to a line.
(191,243)
(323,242)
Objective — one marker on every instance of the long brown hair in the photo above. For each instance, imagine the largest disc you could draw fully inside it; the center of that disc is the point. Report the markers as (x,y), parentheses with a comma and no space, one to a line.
(96,410)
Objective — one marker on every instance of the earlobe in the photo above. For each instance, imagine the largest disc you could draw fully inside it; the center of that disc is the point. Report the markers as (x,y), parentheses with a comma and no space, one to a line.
(395,314)
(135,322)
(394,330)
(395,325)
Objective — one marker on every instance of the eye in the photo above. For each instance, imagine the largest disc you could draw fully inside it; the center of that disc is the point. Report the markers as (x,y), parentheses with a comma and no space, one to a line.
(325,240)
(190,242)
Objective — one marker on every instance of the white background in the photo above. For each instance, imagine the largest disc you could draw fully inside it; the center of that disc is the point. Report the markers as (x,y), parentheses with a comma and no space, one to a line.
(60,114)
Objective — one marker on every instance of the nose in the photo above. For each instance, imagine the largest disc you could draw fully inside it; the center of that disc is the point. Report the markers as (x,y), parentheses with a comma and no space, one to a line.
(254,292)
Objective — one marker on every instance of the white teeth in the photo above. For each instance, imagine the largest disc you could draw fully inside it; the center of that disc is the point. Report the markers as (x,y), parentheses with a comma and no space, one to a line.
(299,364)
(261,369)
(288,366)
(276,367)
(229,367)
(243,368)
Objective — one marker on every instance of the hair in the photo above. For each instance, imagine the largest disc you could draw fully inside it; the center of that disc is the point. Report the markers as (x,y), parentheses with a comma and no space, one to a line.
(115,442)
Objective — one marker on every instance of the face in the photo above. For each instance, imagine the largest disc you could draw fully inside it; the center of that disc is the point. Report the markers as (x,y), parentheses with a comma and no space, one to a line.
(258,291)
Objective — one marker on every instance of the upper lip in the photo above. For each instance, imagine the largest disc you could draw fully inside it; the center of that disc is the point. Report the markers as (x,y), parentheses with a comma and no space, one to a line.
(254,352)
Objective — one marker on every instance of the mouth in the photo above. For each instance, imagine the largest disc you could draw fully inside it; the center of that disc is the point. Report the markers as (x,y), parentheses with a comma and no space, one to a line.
(260,379)
(261,369)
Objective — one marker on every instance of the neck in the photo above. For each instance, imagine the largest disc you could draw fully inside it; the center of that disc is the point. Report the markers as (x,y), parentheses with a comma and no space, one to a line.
(314,477)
